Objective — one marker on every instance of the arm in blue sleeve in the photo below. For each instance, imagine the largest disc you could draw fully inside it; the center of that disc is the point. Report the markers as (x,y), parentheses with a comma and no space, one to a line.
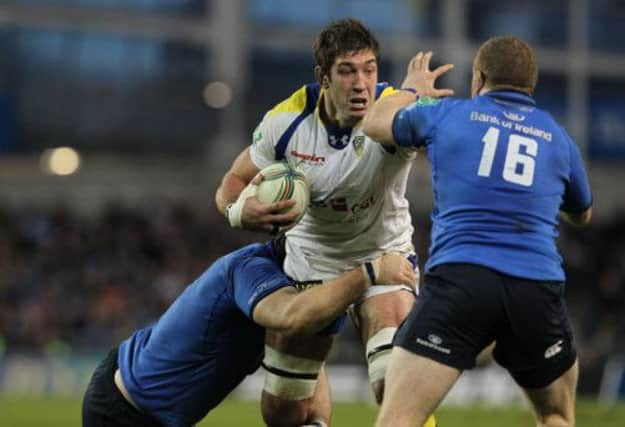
(577,197)
(405,133)
(254,279)
(415,124)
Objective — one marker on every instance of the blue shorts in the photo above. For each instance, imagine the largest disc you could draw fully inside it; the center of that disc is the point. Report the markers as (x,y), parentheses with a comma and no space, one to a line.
(462,308)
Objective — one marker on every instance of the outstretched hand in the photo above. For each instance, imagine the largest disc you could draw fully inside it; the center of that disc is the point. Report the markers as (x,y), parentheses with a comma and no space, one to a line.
(422,79)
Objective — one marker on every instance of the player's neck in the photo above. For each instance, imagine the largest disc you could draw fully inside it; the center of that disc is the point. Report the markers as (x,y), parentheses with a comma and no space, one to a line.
(329,115)
(484,90)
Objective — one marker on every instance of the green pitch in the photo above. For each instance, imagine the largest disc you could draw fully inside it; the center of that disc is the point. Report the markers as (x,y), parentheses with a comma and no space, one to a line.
(62,412)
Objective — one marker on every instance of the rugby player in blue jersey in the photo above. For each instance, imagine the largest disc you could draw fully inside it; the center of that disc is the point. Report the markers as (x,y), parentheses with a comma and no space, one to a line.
(503,173)
(172,373)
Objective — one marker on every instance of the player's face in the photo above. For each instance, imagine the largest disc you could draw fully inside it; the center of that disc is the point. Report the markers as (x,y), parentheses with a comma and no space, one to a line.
(351,86)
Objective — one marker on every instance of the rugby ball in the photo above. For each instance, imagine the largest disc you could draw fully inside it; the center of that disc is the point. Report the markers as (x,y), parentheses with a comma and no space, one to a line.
(283,182)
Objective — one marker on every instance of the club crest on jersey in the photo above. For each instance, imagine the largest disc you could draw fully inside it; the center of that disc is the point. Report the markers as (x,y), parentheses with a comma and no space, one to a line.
(359,144)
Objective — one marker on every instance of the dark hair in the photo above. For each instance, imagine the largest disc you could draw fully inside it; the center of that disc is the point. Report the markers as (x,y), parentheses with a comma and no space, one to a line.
(340,37)
(508,63)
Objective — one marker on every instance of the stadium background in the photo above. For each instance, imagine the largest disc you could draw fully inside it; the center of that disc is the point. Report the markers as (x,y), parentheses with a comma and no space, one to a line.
(155,97)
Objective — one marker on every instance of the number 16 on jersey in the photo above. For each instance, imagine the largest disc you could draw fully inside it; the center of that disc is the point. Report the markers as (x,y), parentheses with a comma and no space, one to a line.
(519,166)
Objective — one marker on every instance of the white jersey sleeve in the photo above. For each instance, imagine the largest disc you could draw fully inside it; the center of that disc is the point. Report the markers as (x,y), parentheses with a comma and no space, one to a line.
(262,150)
(274,127)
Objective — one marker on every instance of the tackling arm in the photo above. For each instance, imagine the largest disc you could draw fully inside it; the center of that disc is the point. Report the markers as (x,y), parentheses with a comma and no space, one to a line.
(291,312)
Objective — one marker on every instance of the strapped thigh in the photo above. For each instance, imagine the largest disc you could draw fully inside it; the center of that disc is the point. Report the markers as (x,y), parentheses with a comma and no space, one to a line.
(290,377)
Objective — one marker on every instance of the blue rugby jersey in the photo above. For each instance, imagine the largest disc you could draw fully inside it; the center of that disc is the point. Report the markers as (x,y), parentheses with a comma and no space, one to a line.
(501,170)
(205,344)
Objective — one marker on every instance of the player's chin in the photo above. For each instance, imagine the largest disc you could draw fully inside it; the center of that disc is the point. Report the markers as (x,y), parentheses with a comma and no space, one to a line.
(358,112)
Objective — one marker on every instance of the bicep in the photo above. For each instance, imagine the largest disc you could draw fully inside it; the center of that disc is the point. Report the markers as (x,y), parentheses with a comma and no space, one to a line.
(415,124)
(243,167)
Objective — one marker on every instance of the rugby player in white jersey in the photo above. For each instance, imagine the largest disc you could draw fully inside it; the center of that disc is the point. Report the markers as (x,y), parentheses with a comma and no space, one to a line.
(358,211)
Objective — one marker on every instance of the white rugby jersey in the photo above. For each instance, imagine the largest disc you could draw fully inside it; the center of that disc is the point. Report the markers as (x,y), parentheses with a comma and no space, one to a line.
(358,209)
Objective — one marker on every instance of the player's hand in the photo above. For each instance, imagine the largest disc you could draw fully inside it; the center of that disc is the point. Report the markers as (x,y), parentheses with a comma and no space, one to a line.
(395,269)
(272,218)
(422,79)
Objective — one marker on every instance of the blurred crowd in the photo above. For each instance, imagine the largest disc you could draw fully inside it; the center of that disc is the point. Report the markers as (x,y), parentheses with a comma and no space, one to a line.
(72,283)
(80,283)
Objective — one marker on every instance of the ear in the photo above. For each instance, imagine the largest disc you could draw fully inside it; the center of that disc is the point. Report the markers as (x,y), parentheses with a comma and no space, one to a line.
(318,73)
(320,78)
(481,80)
(477,82)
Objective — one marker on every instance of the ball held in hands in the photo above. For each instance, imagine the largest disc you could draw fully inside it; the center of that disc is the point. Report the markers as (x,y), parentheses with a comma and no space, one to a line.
(283,182)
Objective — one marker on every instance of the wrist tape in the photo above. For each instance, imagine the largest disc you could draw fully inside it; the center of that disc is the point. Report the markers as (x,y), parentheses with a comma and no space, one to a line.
(235,210)
(371,270)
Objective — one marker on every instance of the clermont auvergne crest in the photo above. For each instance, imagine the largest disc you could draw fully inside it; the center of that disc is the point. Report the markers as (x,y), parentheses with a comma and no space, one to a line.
(359,144)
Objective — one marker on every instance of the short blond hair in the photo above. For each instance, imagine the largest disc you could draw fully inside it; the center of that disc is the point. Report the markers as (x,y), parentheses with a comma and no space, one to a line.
(507,63)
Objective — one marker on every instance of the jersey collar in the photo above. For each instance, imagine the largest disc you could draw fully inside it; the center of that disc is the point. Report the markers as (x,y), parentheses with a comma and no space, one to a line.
(338,137)
(511,96)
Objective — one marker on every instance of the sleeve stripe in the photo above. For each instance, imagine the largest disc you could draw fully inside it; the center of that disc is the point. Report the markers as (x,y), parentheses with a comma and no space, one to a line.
(383,89)
(312,94)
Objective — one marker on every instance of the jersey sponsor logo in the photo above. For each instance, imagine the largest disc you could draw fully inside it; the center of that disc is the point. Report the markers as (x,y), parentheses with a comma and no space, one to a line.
(509,124)
(553,349)
(514,116)
(435,339)
(309,158)
(476,116)
(359,144)
(258,291)
(434,342)
(532,131)
(357,210)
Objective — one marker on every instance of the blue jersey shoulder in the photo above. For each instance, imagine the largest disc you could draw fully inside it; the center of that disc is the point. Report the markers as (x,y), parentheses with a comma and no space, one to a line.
(415,124)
